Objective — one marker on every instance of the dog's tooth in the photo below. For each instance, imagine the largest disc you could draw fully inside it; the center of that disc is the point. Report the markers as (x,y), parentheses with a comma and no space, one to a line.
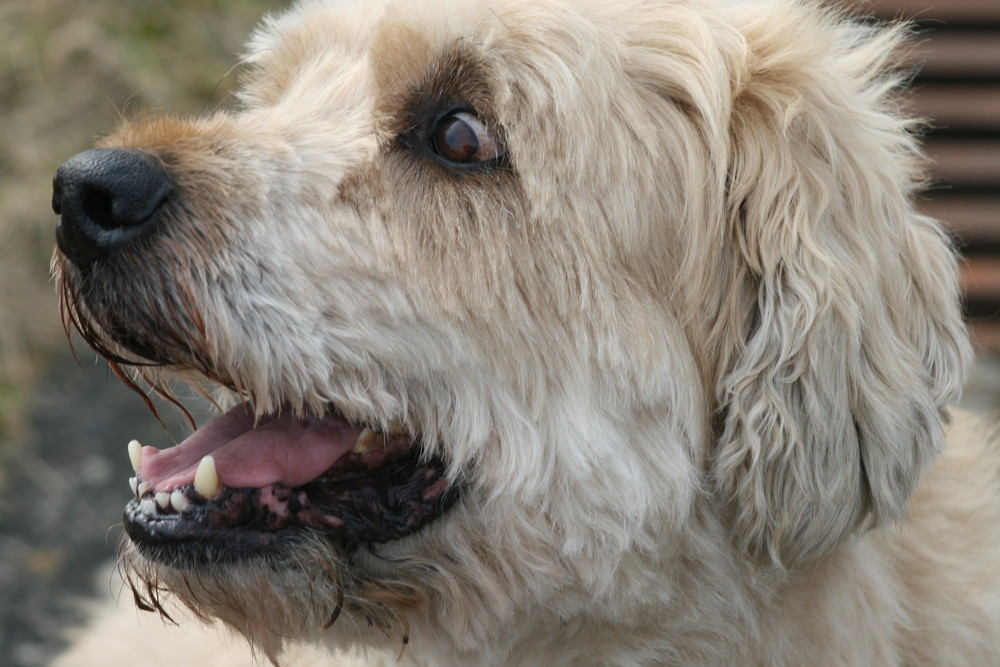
(365,440)
(179,501)
(395,427)
(142,489)
(135,454)
(206,479)
(133,483)
(163,499)
(148,506)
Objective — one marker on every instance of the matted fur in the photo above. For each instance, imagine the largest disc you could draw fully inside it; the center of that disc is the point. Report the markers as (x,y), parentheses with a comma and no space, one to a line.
(689,351)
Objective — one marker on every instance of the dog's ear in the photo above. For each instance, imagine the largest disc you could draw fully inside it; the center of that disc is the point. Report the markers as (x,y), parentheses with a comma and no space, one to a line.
(849,344)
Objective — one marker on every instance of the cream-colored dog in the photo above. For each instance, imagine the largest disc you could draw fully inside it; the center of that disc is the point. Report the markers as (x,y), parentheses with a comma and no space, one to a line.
(561,332)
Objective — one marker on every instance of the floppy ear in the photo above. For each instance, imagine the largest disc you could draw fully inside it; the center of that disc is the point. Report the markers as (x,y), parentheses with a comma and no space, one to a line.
(850,342)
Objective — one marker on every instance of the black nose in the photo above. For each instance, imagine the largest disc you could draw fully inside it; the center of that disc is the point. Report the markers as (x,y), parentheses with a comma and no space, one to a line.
(107,197)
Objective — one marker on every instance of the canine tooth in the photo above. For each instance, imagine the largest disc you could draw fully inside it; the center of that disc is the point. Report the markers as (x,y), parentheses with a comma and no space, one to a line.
(365,440)
(206,479)
(133,482)
(163,500)
(179,501)
(142,489)
(135,454)
(395,427)
(147,506)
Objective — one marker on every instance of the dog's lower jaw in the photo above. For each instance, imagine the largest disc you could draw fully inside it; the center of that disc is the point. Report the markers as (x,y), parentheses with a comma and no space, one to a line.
(296,594)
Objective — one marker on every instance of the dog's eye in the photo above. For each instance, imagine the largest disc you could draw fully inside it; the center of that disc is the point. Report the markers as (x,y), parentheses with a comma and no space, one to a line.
(461,138)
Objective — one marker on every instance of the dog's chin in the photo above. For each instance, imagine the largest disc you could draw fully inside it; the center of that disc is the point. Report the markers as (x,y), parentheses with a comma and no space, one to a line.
(247,488)
(295,591)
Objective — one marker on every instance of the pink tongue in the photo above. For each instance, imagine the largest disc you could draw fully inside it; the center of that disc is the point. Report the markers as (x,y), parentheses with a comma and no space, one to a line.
(279,449)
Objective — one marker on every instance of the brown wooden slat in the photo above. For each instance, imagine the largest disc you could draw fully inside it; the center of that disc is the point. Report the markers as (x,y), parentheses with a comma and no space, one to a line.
(962,54)
(966,163)
(973,218)
(981,275)
(981,281)
(986,334)
(975,11)
(957,105)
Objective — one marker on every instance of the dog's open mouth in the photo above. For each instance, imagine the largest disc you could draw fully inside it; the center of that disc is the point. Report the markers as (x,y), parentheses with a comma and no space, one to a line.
(237,486)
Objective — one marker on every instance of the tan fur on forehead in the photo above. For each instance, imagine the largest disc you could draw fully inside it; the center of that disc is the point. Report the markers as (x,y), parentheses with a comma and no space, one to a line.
(283,44)
(409,40)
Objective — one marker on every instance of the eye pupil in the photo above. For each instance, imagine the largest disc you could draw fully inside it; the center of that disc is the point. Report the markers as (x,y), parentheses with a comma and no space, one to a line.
(462,139)
(456,140)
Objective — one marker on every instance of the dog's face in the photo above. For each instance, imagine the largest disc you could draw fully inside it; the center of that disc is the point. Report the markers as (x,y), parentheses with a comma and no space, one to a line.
(517,296)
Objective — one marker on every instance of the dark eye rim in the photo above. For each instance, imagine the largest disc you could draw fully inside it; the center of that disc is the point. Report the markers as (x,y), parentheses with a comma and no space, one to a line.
(431,128)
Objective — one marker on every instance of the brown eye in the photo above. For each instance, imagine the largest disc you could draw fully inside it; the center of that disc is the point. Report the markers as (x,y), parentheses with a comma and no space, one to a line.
(463,139)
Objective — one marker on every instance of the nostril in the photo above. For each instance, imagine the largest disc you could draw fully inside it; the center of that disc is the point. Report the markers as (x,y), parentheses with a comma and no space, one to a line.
(98,206)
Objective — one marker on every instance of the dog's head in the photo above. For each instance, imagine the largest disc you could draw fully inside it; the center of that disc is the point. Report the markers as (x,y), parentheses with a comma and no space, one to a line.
(593,277)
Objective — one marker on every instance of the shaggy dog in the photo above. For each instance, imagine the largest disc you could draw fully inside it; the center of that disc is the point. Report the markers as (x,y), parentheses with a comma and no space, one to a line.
(558,332)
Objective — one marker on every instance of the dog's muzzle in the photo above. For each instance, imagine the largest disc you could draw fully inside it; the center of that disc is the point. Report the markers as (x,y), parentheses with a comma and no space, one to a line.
(106,199)
(244,484)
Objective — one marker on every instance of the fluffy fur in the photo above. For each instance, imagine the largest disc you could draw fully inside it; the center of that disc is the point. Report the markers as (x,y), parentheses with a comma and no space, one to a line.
(690,351)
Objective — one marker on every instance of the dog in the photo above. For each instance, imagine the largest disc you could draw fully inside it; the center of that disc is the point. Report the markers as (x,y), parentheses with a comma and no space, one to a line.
(554,332)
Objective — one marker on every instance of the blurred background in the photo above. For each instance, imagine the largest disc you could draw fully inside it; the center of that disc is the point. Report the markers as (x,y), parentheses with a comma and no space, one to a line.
(70,69)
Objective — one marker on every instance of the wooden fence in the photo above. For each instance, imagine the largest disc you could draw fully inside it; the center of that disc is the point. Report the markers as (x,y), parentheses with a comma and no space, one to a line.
(959,89)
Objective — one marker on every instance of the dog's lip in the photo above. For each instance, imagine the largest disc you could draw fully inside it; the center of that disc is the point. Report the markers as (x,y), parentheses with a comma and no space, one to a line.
(253,452)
